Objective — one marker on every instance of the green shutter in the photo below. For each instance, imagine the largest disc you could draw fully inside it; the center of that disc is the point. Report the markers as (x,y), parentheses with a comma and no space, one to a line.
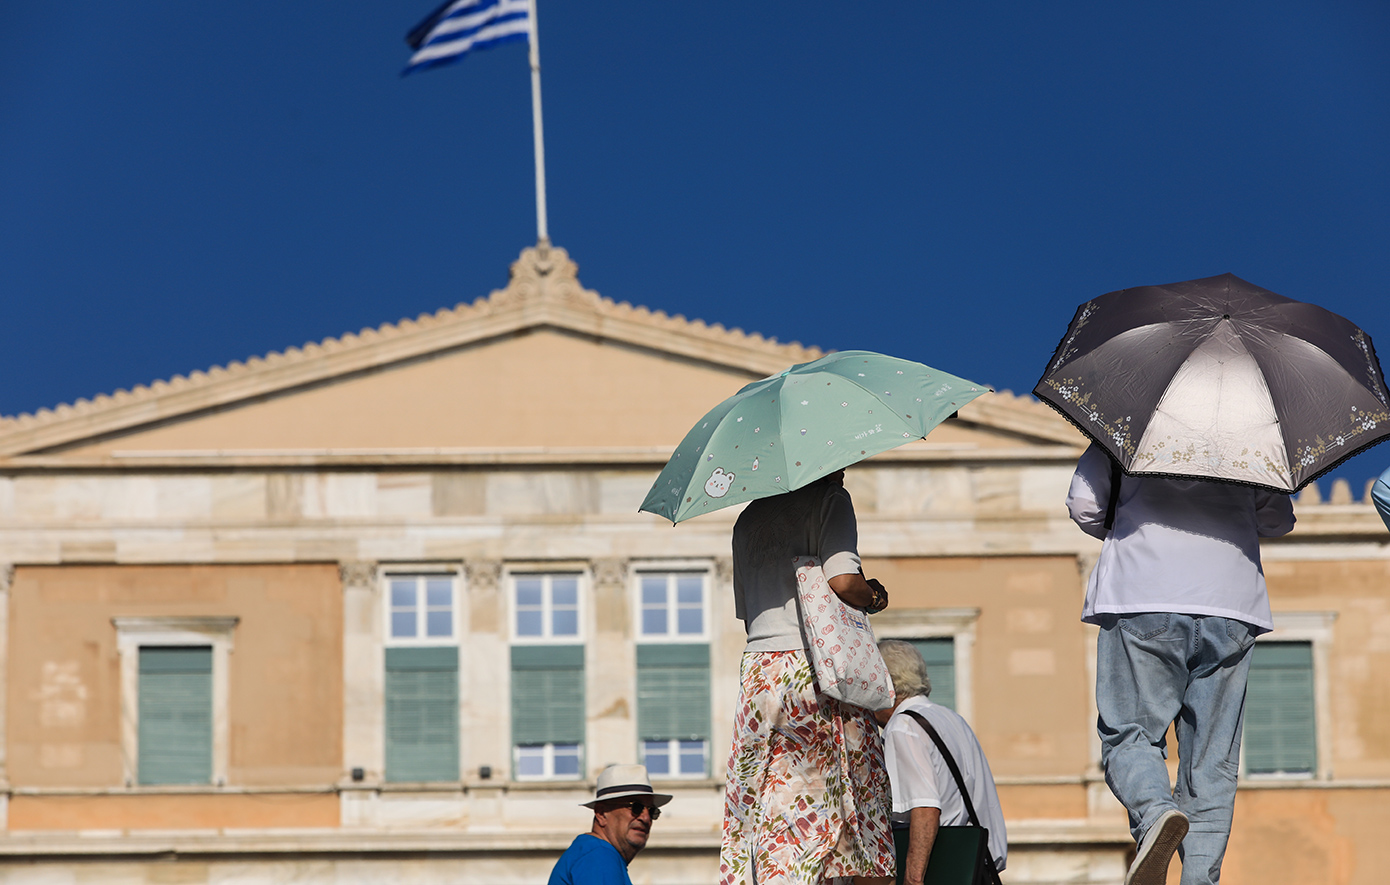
(940,655)
(422,714)
(1280,726)
(673,700)
(175,699)
(547,694)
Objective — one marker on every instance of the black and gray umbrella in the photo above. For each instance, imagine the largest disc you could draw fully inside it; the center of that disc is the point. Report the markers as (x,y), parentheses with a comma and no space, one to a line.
(1219,379)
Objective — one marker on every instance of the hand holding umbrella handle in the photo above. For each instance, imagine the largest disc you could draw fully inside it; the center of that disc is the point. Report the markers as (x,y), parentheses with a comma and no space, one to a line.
(880,599)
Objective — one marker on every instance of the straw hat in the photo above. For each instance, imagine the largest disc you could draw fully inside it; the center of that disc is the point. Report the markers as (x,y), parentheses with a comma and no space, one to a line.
(625,781)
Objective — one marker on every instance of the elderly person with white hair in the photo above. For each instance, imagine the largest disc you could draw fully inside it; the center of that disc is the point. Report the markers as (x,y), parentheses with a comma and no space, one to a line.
(925,794)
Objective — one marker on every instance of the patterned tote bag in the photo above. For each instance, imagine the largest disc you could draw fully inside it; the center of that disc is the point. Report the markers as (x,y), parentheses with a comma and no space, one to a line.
(843,652)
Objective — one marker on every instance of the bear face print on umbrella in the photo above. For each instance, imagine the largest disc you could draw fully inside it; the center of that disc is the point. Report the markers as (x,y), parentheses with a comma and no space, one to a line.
(1219,379)
(786,431)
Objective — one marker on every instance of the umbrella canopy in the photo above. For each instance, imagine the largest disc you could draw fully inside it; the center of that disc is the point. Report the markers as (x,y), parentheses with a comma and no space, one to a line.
(1219,379)
(786,431)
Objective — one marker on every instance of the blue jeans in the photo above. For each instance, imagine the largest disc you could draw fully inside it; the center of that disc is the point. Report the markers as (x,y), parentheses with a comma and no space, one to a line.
(1152,669)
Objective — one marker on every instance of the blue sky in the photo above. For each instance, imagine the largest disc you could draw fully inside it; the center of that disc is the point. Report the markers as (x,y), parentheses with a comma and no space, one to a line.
(185,184)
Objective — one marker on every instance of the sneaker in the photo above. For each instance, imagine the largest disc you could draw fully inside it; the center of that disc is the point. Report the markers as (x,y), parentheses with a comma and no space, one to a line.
(1156,849)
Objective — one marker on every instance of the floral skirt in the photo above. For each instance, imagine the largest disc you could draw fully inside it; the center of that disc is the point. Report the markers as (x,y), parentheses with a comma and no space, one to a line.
(807,795)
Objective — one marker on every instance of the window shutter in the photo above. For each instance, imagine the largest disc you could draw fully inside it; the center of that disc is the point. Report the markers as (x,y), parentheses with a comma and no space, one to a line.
(175,730)
(422,714)
(940,655)
(547,694)
(1280,725)
(673,701)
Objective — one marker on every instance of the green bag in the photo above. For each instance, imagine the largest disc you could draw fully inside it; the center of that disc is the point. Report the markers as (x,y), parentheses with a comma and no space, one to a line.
(958,856)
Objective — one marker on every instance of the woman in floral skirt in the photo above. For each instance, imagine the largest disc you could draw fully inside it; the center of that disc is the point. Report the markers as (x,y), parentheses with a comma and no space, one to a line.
(807,796)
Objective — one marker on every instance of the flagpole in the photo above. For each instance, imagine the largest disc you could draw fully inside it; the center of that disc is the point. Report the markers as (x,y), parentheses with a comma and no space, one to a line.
(542,232)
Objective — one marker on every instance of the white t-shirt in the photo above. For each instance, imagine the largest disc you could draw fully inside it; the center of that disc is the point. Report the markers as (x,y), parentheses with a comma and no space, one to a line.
(920,778)
(816,520)
(1183,546)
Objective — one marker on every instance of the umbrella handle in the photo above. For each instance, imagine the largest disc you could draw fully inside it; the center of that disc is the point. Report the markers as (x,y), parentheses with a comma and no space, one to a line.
(1116,475)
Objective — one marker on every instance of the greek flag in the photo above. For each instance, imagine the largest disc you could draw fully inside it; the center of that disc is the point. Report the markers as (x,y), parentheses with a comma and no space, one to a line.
(460,26)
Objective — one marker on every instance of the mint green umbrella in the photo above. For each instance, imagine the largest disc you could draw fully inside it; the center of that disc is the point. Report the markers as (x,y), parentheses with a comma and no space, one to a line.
(783,432)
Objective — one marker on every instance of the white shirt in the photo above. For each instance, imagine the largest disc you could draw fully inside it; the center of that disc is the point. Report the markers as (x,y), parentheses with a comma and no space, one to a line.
(920,778)
(1183,546)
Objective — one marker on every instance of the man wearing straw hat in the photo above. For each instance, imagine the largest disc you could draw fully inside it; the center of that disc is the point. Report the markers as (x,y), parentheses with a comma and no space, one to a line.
(624,810)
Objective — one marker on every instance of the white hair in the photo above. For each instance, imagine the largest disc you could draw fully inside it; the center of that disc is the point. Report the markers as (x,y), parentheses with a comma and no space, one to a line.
(906,668)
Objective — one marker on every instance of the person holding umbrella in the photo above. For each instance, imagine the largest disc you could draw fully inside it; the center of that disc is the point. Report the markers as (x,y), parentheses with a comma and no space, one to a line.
(1208,402)
(807,795)
(1179,596)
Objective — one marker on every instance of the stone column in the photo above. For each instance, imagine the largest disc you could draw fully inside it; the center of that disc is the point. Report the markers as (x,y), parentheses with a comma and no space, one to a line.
(364,674)
(485,680)
(610,670)
(727,639)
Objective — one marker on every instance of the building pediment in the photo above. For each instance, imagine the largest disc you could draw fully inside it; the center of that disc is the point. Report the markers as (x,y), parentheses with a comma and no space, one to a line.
(541,370)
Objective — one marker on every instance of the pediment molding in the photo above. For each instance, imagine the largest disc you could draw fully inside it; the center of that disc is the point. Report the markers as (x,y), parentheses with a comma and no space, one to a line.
(543,292)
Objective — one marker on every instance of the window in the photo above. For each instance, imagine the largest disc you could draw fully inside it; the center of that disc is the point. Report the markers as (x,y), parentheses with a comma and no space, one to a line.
(174,690)
(940,655)
(547,670)
(545,607)
(673,708)
(175,739)
(547,711)
(945,637)
(421,685)
(422,714)
(1280,721)
(422,607)
(1287,720)
(672,605)
(673,690)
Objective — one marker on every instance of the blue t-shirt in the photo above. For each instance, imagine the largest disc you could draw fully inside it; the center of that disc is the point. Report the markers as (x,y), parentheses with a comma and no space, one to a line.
(1380,494)
(590,861)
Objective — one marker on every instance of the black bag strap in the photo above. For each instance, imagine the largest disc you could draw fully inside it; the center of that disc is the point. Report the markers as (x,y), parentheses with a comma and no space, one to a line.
(950,763)
(992,875)
(1116,475)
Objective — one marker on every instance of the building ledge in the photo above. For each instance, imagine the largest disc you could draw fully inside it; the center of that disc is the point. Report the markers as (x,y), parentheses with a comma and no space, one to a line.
(344,841)
(354,841)
(427,457)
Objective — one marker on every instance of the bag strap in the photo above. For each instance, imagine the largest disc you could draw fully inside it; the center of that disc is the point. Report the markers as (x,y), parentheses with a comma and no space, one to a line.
(950,763)
(1116,475)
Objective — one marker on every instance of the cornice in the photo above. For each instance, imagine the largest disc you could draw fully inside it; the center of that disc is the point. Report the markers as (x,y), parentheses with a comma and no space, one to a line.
(540,457)
(544,291)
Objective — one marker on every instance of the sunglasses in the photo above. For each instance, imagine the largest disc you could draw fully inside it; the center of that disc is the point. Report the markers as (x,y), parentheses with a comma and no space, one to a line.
(637,807)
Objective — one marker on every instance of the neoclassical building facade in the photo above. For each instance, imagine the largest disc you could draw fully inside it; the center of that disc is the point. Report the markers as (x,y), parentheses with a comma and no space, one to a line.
(382,607)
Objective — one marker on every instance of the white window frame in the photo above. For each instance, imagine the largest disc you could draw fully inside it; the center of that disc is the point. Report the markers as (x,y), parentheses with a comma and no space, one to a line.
(134,633)
(548,757)
(581,576)
(398,572)
(1314,628)
(956,624)
(703,570)
(673,749)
